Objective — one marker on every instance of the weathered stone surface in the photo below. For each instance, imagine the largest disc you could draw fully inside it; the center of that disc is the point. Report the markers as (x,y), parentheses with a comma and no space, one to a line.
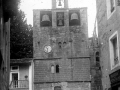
(106,27)
(69,44)
(70,70)
(64,86)
(72,39)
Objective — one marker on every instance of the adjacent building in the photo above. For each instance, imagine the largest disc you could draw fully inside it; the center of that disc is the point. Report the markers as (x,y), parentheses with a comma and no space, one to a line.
(61,53)
(108,13)
(95,67)
(21,74)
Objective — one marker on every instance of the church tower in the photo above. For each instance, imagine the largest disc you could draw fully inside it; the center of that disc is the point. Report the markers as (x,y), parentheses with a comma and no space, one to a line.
(60,42)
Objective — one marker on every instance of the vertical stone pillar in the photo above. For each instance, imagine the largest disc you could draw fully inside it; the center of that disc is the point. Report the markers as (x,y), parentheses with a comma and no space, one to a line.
(53,4)
(66,3)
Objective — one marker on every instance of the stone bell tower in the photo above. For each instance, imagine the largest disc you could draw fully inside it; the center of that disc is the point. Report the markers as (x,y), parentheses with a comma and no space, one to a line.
(60,41)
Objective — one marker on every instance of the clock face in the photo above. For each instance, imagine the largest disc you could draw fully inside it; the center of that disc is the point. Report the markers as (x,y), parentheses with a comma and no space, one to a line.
(47,49)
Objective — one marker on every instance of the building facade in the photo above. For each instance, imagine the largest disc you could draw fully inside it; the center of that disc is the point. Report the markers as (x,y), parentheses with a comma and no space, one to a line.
(95,67)
(108,12)
(61,53)
(21,76)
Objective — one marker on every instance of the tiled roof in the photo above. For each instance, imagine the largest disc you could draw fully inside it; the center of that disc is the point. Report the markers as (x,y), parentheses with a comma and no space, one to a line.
(26,60)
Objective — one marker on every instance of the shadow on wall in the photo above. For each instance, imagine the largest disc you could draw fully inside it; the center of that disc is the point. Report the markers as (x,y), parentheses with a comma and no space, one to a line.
(1,59)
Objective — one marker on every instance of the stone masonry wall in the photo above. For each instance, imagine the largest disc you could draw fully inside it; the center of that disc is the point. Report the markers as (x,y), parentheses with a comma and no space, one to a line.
(106,27)
(70,70)
(64,86)
(72,56)
(74,39)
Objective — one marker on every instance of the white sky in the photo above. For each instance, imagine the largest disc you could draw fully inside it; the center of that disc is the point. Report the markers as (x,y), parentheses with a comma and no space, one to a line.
(28,5)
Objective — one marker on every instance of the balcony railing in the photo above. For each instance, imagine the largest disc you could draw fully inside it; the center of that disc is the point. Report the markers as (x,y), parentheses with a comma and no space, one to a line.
(19,84)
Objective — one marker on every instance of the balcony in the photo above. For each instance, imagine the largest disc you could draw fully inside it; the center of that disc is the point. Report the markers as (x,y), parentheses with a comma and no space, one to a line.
(19,84)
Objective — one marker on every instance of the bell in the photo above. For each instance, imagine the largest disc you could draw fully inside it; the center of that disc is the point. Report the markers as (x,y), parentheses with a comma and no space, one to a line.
(45,18)
(74,16)
(60,22)
(59,3)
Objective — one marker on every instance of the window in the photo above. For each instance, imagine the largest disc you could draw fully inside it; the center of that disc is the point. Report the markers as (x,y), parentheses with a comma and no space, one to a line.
(14,68)
(45,18)
(60,18)
(112,3)
(14,77)
(97,57)
(114,43)
(57,68)
(98,60)
(60,45)
(110,7)
(57,88)
(52,69)
(114,50)
(74,17)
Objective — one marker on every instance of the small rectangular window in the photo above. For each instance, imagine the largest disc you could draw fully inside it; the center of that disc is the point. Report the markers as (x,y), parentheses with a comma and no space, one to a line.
(114,50)
(52,69)
(14,68)
(115,54)
(110,7)
(57,68)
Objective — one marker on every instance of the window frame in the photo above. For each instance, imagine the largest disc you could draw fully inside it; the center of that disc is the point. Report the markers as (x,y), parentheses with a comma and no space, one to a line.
(16,69)
(112,63)
(11,76)
(109,10)
(52,68)
(112,4)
